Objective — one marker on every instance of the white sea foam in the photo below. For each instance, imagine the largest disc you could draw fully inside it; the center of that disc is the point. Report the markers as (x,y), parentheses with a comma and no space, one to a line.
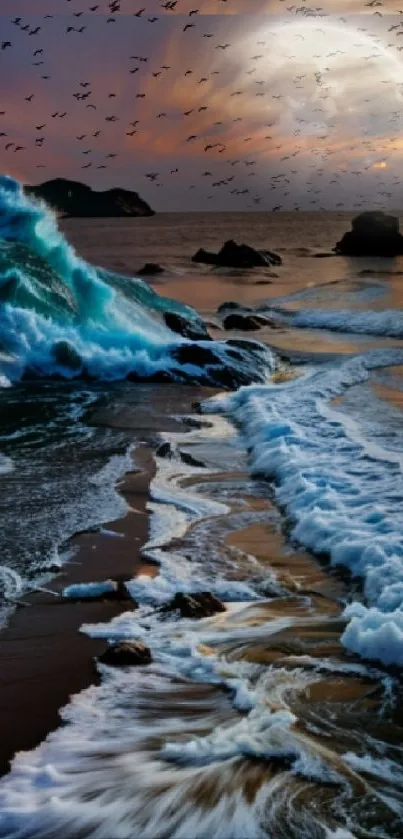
(344,496)
(86,591)
(388,322)
(6,465)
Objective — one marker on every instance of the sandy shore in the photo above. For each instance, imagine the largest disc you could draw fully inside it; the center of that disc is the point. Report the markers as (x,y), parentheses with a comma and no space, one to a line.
(44,659)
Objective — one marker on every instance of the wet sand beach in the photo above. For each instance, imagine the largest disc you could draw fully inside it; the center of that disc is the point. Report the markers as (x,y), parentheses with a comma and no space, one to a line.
(44,658)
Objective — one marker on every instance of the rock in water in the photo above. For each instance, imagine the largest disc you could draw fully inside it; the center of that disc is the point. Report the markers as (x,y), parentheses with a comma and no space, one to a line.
(192,329)
(150,269)
(374,233)
(126,654)
(232,255)
(78,200)
(247,323)
(66,355)
(201,604)
(195,355)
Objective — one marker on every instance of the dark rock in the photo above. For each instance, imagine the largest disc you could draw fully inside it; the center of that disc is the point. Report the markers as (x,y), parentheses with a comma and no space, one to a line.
(201,604)
(247,323)
(374,233)
(207,257)
(190,460)
(165,450)
(233,255)
(66,355)
(194,354)
(195,330)
(191,422)
(150,269)
(126,653)
(78,200)
(322,255)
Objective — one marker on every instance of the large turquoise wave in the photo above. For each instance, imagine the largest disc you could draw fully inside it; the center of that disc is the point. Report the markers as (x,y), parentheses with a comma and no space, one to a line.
(61,316)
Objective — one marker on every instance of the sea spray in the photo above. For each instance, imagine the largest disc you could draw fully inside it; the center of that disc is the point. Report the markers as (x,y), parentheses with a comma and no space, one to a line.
(61,316)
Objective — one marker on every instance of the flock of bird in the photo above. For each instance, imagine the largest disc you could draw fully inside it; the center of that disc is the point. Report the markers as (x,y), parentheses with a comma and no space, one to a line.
(228,169)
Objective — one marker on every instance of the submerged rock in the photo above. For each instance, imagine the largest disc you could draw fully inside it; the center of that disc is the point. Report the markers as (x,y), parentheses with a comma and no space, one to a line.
(201,604)
(374,233)
(233,255)
(66,355)
(247,323)
(192,329)
(150,269)
(126,654)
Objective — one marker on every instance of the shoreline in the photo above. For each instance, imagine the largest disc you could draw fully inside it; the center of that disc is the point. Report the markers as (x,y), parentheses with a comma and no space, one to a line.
(44,658)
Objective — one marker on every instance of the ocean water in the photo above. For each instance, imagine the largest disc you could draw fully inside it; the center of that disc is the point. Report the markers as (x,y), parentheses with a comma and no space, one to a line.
(279,717)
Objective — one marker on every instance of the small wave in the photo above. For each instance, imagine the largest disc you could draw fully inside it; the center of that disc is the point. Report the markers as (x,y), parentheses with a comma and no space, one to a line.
(387,323)
(344,497)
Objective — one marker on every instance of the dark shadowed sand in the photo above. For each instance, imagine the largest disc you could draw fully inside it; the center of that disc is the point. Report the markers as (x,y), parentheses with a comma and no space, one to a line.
(44,659)
(43,656)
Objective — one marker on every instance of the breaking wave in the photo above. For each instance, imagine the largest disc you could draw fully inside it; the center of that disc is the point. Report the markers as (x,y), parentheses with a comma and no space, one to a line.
(61,316)
(343,493)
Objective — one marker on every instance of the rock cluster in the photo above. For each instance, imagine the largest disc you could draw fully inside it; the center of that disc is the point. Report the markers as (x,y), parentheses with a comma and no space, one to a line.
(232,255)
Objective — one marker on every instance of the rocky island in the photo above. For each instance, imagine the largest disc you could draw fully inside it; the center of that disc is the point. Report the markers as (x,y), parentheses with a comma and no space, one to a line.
(373,233)
(74,199)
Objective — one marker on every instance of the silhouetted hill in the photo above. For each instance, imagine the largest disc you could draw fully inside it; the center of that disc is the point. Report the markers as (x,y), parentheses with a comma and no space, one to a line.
(75,199)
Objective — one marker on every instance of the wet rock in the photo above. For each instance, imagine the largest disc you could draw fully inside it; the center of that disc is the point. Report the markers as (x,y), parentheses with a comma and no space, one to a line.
(150,269)
(191,422)
(194,354)
(233,255)
(66,355)
(201,604)
(165,450)
(247,323)
(126,654)
(190,460)
(192,329)
(374,233)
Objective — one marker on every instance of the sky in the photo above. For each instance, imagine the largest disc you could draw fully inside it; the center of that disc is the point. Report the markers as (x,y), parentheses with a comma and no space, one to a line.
(207,104)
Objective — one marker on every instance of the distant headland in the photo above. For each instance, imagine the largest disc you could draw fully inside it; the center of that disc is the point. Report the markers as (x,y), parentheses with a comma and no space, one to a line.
(77,200)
